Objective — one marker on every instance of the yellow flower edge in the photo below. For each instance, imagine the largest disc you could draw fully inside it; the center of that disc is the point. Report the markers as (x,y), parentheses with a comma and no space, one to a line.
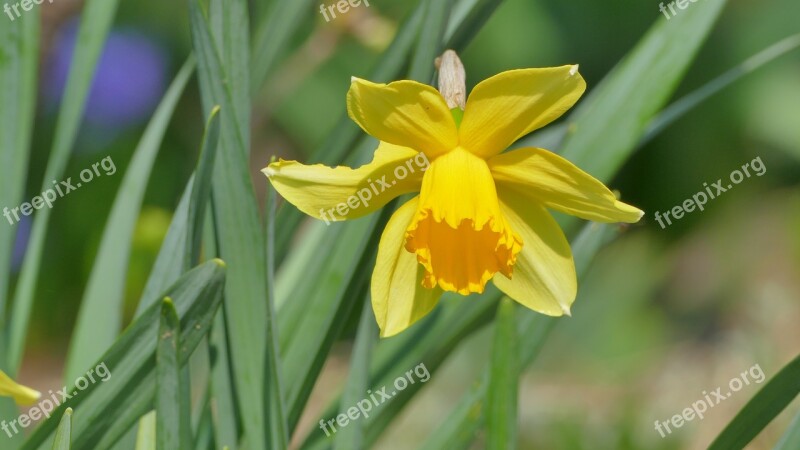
(22,395)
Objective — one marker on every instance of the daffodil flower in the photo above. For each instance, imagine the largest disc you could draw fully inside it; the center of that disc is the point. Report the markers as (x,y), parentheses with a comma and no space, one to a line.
(481,214)
(22,395)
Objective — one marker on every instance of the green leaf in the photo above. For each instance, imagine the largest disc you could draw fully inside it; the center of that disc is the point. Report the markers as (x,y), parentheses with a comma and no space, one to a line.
(275,402)
(172,421)
(169,262)
(429,43)
(100,316)
(501,402)
(201,190)
(355,390)
(241,239)
(109,408)
(773,398)
(19,56)
(610,121)
(63,437)
(469,17)
(326,313)
(95,23)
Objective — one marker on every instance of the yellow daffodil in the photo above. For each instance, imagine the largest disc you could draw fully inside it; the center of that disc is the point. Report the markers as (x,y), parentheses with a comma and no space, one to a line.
(22,395)
(480,214)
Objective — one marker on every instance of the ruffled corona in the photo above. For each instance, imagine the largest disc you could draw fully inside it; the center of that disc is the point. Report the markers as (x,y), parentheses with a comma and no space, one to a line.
(459,233)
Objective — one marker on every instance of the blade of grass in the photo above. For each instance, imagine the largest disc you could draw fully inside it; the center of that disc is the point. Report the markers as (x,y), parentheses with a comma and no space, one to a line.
(100,316)
(429,43)
(226,421)
(201,191)
(63,437)
(95,23)
(19,43)
(232,29)
(172,421)
(240,233)
(169,262)
(326,314)
(469,17)
(768,402)
(358,380)
(108,409)
(503,389)
(275,402)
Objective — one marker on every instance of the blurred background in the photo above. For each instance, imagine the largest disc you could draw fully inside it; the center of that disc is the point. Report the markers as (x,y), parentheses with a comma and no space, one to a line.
(663,315)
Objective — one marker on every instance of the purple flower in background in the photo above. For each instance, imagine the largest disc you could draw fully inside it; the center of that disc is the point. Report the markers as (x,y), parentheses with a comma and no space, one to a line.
(21,242)
(129,81)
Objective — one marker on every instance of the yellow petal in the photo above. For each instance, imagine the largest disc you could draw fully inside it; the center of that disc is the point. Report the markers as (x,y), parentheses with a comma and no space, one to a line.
(398,297)
(558,184)
(510,105)
(459,233)
(544,277)
(342,193)
(404,113)
(22,395)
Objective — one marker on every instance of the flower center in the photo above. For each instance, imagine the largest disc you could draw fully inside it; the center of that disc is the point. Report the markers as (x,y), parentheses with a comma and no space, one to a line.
(459,233)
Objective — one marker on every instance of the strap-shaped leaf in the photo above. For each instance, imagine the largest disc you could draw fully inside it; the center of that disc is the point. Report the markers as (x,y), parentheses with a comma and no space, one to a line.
(109,407)
(773,398)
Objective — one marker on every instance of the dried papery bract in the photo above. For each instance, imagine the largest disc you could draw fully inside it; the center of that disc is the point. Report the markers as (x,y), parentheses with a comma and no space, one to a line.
(452,79)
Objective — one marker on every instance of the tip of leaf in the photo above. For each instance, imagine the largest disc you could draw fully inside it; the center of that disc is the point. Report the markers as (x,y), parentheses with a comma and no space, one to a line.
(167,302)
(220,263)
(268,171)
(573,70)
(68,412)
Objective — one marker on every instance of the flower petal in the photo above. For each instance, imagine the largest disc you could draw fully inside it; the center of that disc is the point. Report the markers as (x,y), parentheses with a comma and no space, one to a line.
(22,395)
(558,184)
(510,105)
(459,233)
(544,277)
(404,113)
(342,193)
(398,297)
